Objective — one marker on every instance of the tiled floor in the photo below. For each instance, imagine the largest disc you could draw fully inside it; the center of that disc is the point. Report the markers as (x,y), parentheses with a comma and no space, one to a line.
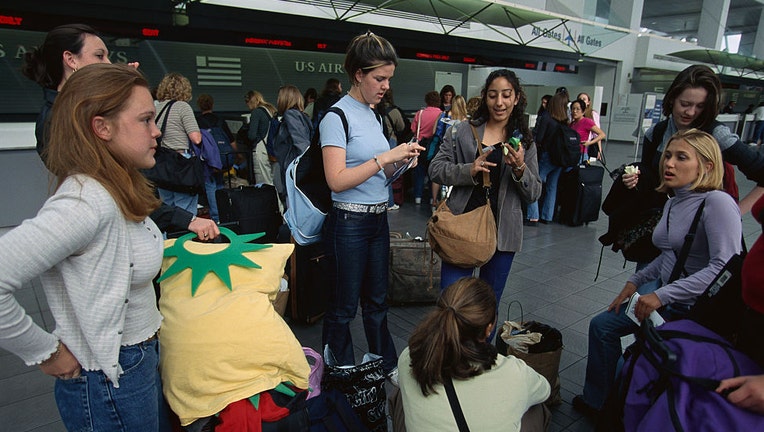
(553,277)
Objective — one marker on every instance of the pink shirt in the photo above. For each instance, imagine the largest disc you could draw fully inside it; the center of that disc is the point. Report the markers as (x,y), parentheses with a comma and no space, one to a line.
(583,126)
(428,116)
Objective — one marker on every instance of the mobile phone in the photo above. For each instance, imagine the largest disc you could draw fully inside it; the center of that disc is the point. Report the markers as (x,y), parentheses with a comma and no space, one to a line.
(515,143)
(486,149)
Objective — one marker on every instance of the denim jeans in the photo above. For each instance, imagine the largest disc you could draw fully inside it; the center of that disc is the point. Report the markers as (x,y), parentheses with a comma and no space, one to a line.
(420,171)
(549,174)
(605,332)
(90,402)
(358,247)
(495,272)
(185,201)
(213,183)
(758,131)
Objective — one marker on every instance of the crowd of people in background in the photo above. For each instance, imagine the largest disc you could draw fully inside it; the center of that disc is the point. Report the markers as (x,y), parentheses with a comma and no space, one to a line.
(458,149)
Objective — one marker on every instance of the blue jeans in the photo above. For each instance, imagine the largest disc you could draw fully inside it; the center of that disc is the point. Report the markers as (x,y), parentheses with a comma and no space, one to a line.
(605,332)
(495,272)
(758,131)
(420,171)
(358,246)
(549,174)
(187,202)
(213,183)
(90,402)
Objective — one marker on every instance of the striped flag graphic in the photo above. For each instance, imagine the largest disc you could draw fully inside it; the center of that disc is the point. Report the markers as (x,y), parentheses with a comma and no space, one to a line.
(218,71)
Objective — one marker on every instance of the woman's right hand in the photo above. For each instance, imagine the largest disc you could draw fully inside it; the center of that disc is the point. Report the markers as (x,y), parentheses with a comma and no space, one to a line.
(205,229)
(405,151)
(624,295)
(62,365)
(630,180)
(481,164)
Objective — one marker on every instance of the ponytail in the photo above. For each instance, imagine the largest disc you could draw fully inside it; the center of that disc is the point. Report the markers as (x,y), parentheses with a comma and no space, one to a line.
(451,341)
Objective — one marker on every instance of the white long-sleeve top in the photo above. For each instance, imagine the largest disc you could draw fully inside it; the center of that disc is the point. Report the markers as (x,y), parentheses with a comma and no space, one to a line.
(96,269)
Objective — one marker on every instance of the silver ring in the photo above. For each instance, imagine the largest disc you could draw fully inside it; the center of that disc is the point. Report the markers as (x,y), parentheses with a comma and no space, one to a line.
(482,163)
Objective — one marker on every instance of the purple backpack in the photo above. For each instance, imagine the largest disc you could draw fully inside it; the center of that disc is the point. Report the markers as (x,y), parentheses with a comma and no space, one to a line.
(670,376)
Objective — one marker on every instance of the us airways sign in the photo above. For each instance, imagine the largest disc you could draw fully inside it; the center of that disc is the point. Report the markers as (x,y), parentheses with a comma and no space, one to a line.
(313,67)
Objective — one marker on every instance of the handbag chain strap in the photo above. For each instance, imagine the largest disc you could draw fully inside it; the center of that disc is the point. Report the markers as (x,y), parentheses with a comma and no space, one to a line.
(456,408)
(478,144)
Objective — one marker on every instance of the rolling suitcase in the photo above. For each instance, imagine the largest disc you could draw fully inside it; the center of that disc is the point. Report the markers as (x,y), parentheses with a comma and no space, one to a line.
(579,195)
(414,271)
(254,208)
(308,283)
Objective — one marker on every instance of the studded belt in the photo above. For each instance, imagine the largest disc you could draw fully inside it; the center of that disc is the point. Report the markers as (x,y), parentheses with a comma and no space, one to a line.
(361,208)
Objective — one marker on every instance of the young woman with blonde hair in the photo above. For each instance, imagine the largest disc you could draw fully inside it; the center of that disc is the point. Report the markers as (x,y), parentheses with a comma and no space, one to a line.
(259,121)
(295,131)
(691,173)
(182,131)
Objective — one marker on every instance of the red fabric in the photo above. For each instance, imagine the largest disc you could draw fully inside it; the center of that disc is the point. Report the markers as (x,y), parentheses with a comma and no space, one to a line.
(753,267)
(728,181)
(241,416)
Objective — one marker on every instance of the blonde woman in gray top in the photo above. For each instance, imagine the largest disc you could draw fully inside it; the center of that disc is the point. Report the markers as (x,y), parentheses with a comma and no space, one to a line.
(181,132)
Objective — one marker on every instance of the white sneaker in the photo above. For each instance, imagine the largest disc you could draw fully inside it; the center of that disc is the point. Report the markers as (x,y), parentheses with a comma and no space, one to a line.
(393,207)
(392,376)
(417,200)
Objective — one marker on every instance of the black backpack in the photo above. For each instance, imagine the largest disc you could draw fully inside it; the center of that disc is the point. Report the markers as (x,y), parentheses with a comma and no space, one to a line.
(564,146)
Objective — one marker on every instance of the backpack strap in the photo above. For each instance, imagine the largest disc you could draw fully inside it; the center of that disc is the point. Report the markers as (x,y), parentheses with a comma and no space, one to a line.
(688,239)
(344,120)
(456,408)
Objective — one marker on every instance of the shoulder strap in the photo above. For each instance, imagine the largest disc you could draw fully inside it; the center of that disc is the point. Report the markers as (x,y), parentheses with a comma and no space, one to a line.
(486,177)
(688,239)
(266,111)
(418,123)
(166,111)
(456,408)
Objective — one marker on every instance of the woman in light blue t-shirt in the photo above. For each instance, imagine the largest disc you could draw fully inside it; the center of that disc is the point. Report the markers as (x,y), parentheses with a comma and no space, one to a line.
(357,236)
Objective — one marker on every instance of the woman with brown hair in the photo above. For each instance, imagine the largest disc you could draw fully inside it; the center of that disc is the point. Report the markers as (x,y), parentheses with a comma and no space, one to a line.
(357,162)
(451,346)
(511,172)
(96,251)
(66,49)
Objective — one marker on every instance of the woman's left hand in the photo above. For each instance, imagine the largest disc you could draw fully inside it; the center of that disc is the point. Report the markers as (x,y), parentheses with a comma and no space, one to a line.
(646,304)
(514,158)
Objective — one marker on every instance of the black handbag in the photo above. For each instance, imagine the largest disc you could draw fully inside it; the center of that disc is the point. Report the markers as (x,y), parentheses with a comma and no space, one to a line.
(172,170)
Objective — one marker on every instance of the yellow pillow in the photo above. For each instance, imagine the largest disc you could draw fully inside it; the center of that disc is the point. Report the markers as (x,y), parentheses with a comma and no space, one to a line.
(222,345)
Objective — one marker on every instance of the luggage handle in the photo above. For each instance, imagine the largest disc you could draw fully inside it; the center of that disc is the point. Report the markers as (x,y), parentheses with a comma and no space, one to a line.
(520,305)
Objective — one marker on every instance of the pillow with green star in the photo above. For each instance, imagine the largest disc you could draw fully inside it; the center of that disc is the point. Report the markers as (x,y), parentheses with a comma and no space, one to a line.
(225,265)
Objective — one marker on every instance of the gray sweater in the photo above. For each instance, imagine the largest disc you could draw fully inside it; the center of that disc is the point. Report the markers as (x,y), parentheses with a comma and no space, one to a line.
(718,237)
(96,269)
